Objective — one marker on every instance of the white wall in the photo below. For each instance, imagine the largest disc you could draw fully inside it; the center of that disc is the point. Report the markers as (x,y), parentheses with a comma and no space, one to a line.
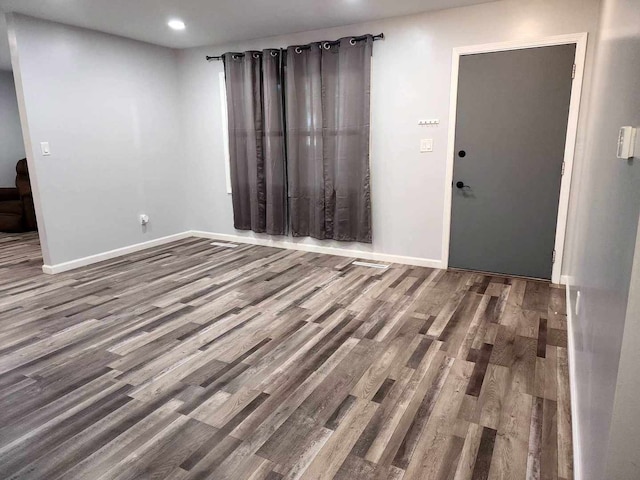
(109,107)
(11,144)
(410,81)
(602,239)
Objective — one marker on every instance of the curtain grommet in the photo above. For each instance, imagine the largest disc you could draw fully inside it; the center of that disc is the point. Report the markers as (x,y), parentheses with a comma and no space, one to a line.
(256,55)
(353,41)
(274,53)
(326,45)
(298,50)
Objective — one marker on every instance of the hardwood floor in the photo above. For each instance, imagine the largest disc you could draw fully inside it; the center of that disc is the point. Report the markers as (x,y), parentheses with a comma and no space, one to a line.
(191,361)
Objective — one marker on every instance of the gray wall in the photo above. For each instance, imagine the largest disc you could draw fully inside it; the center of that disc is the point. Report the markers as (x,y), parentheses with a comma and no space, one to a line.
(603,238)
(11,144)
(624,446)
(134,127)
(109,107)
(410,81)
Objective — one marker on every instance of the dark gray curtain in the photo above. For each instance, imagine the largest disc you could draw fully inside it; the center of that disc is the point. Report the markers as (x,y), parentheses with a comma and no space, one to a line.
(256,140)
(327,106)
(305,148)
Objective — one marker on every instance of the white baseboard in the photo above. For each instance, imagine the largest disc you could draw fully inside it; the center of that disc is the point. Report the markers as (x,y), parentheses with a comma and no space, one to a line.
(306,247)
(118,252)
(575,427)
(269,242)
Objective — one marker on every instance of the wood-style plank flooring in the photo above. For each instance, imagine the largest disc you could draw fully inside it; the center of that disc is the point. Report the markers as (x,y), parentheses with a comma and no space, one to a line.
(191,361)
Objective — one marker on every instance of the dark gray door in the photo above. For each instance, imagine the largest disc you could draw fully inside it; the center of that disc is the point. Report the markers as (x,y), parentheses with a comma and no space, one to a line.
(511,128)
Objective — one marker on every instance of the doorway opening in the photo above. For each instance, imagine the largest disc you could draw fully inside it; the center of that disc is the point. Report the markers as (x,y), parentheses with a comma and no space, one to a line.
(19,241)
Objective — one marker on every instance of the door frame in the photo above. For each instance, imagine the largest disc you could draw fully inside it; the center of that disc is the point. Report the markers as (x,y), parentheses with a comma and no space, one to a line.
(580,41)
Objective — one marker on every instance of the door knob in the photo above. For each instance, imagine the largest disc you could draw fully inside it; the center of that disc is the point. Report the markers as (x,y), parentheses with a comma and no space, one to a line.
(462,154)
(461,185)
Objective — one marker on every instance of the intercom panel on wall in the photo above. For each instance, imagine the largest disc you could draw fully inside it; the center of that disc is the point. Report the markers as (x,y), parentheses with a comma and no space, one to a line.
(626,142)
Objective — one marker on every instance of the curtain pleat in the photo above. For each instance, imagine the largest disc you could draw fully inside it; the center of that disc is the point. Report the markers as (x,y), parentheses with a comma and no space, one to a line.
(256,145)
(274,144)
(305,142)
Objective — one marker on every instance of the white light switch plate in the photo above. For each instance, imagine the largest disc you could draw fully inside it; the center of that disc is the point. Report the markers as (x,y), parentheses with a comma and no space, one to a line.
(426,145)
(44,147)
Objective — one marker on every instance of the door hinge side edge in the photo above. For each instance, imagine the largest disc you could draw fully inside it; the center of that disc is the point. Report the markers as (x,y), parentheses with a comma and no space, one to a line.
(553,256)
(573,71)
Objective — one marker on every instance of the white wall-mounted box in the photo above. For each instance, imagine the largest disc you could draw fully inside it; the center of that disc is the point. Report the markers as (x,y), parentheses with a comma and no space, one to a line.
(626,142)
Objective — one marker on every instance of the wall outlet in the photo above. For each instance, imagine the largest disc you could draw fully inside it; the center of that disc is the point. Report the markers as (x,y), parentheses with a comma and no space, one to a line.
(144,219)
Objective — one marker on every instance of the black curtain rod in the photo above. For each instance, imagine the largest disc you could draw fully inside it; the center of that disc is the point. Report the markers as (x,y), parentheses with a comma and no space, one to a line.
(380,36)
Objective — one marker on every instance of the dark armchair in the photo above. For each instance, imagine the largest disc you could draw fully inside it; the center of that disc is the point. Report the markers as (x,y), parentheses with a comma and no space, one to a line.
(17,213)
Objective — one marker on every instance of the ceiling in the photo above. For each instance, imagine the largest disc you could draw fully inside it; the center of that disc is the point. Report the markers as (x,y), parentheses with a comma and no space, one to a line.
(211,21)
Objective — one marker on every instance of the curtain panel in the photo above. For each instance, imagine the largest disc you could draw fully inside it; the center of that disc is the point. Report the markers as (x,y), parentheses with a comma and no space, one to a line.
(322,163)
(328,88)
(256,141)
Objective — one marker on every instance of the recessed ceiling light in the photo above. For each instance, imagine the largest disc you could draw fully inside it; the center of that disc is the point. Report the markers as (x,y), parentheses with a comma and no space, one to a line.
(176,24)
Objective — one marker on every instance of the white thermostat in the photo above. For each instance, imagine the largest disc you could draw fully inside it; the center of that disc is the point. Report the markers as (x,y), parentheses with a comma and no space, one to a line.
(626,142)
